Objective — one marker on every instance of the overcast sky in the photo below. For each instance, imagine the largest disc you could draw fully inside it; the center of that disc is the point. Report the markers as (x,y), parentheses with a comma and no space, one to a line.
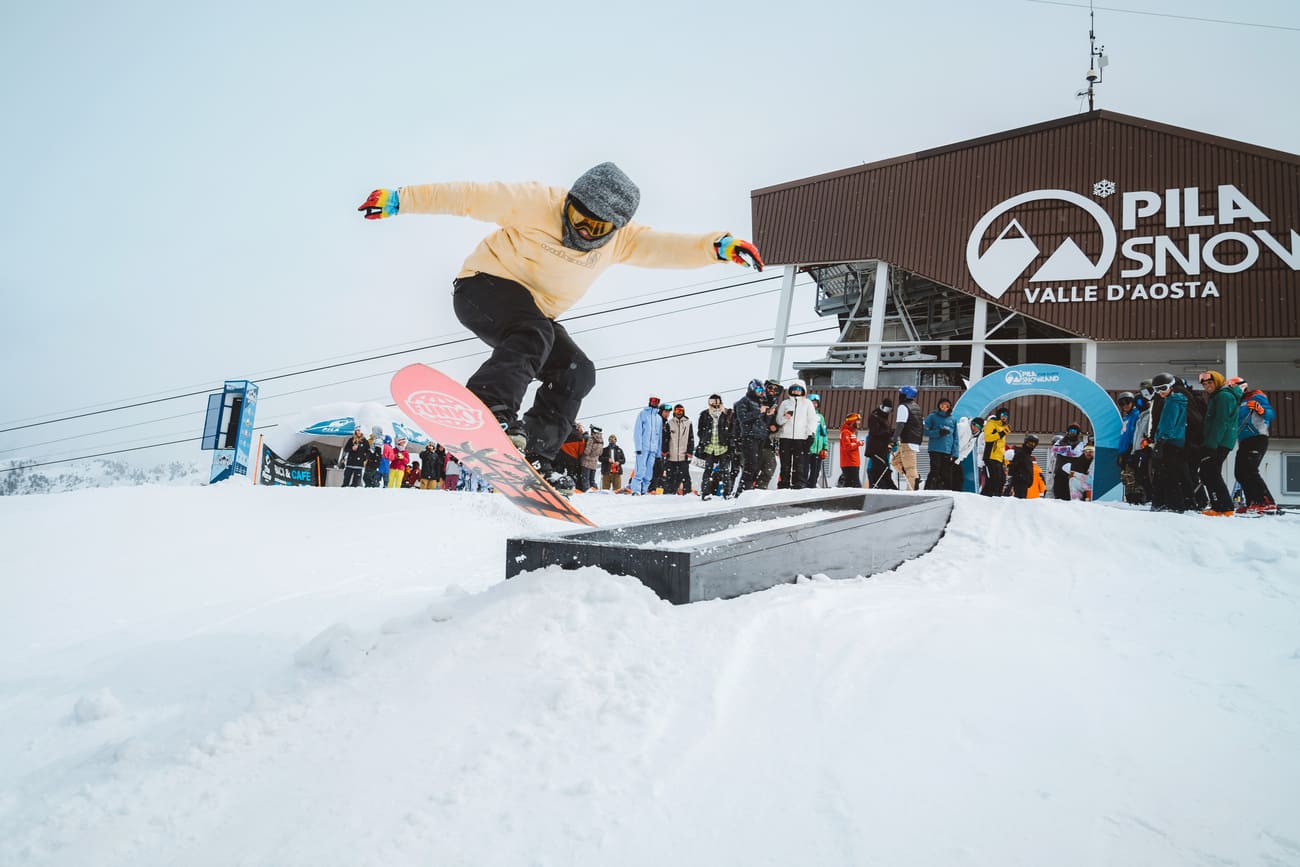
(182,179)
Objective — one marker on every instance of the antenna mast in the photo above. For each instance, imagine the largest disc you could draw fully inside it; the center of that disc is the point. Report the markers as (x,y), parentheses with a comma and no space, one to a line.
(1097,61)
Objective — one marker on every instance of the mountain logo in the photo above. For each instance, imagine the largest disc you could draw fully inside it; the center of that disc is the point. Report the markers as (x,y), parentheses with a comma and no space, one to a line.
(445,410)
(1014,249)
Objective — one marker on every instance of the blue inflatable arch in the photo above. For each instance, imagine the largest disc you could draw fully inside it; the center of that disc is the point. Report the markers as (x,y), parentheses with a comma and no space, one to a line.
(1022,380)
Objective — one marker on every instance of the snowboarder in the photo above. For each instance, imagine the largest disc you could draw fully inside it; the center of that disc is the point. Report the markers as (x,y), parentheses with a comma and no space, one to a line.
(551,245)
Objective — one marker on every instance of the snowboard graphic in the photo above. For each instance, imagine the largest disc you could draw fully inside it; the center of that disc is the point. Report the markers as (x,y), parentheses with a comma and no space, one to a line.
(449,414)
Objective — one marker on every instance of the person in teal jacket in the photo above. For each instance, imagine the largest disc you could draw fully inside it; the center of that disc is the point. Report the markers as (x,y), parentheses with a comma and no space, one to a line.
(1254,416)
(1218,440)
(1172,484)
(817,446)
(941,434)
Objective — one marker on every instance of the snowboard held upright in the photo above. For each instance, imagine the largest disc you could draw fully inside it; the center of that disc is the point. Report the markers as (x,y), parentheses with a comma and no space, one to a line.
(449,414)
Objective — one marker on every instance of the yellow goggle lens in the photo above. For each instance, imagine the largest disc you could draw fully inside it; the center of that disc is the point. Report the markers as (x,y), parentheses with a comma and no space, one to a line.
(595,228)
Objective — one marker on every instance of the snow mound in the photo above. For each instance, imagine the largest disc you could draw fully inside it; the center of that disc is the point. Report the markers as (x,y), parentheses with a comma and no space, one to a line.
(280,676)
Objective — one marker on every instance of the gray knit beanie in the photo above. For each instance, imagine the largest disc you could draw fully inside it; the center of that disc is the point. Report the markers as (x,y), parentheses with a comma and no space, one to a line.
(606,193)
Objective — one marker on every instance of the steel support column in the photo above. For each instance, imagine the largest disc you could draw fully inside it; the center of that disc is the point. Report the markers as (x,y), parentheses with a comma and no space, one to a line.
(978,332)
(782,334)
(876,331)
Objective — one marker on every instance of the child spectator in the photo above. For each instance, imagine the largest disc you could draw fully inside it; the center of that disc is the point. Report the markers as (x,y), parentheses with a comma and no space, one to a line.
(850,452)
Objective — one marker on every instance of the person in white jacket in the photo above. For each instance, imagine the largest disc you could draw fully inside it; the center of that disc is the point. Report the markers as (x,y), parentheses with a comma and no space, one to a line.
(797,420)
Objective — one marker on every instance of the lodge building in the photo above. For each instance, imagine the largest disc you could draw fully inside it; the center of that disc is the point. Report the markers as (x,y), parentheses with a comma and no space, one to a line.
(1116,246)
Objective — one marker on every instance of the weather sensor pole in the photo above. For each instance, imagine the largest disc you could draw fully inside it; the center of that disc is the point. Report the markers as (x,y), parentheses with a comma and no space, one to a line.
(1096,59)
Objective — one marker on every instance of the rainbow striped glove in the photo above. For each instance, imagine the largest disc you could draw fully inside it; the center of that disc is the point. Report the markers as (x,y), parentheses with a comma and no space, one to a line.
(380,204)
(738,251)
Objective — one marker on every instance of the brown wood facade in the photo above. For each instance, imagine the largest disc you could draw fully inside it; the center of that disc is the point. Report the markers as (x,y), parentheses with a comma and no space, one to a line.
(1205,210)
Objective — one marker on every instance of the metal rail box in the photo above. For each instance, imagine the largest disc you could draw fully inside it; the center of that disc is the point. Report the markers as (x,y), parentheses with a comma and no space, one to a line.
(729,553)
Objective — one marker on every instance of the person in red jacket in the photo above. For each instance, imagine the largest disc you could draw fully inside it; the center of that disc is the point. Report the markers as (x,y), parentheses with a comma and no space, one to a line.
(397,466)
(850,452)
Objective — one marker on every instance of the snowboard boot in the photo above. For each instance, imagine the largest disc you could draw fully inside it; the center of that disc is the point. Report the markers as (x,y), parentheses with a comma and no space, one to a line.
(557,479)
(512,425)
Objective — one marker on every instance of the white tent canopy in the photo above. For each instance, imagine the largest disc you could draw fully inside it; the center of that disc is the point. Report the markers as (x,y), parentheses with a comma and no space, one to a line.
(330,424)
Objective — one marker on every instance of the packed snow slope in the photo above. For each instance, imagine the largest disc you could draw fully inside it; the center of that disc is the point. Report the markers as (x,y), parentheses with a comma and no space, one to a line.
(237,675)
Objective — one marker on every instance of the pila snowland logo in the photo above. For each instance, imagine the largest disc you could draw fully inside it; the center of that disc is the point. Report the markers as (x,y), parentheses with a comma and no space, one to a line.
(445,410)
(1029,377)
(1168,268)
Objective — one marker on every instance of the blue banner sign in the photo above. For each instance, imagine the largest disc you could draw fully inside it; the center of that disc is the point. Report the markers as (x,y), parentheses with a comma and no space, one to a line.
(334,427)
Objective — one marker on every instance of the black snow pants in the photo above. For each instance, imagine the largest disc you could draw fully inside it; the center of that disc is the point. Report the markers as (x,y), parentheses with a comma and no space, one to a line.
(1250,453)
(526,345)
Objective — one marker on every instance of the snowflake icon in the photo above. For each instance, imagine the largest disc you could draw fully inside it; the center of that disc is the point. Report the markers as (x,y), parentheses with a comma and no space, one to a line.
(1103,189)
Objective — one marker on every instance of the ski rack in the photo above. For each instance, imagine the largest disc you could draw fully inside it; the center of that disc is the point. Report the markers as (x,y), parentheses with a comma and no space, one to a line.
(867,533)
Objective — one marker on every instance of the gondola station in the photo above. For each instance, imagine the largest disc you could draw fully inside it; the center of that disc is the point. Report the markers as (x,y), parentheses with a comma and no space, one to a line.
(1113,246)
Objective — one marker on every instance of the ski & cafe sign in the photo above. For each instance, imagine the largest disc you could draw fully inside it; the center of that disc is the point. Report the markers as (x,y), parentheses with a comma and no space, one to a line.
(1140,259)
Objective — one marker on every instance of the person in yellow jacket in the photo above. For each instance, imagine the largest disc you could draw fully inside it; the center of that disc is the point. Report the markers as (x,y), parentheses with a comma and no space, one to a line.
(996,429)
(550,245)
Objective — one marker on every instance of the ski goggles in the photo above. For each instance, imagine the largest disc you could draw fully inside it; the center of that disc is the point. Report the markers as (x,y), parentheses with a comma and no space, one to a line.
(1162,389)
(581,220)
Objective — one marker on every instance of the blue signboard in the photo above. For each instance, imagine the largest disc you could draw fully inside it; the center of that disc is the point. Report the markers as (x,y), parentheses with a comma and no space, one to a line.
(228,428)
(244,445)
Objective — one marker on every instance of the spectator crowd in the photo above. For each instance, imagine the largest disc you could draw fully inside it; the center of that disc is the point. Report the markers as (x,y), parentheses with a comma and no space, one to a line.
(1174,442)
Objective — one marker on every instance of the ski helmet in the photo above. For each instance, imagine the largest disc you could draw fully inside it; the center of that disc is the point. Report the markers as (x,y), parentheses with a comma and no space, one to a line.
(1163,381)
(907,391)
(756,386)
(1126,396)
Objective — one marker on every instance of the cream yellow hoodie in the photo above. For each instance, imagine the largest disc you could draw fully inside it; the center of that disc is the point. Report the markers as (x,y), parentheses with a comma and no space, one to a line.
(528,247)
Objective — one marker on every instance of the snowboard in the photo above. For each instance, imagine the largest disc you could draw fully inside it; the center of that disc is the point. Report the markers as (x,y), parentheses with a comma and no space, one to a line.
(449,414)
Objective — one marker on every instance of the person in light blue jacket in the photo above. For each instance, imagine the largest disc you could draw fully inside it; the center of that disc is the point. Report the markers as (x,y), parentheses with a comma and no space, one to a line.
(1254,415)
(941,432)
(647,439)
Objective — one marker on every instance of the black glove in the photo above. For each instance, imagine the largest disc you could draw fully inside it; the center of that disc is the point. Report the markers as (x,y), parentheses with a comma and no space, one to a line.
(943,432)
